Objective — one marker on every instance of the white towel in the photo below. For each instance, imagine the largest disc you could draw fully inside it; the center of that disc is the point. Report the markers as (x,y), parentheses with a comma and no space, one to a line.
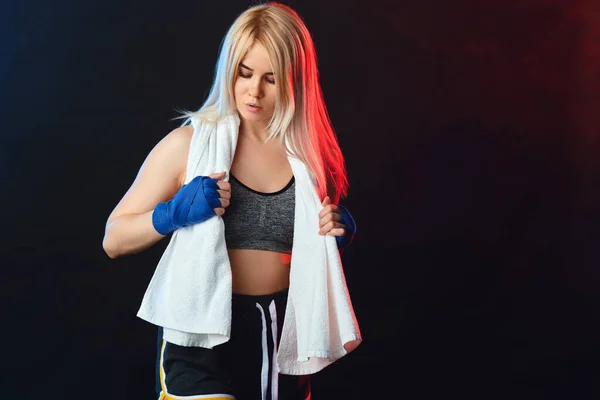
(190,292)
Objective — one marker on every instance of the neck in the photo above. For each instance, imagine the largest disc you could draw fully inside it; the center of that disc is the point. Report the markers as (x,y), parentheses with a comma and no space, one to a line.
(255,130)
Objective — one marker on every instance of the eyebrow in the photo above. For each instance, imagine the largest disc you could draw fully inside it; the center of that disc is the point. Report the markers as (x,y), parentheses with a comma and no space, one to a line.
(247,67)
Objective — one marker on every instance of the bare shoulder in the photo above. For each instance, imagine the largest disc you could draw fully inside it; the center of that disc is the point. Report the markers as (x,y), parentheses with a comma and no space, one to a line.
(161,175)
(183,133)
(177,140)
(172,151)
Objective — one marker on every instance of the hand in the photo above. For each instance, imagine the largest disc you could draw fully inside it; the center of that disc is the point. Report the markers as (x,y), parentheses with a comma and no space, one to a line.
(336,220)
(329,218)
(195,202)
(224,192)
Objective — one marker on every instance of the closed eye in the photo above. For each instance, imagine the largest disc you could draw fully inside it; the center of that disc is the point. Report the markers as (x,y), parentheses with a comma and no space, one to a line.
(240,73)
(242,67)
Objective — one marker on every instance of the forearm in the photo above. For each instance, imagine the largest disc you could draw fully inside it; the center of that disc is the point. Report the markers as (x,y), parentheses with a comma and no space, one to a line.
(130,234)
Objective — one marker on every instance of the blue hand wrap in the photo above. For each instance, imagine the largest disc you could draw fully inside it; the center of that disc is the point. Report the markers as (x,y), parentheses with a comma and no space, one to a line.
(192,204)
(344,241)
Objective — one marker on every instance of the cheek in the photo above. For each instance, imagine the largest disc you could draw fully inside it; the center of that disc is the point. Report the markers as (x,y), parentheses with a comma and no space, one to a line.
(272,95)
(240,87)
(237,88)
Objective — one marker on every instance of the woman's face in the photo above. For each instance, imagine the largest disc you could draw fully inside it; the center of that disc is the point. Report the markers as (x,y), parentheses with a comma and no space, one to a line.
(254,87)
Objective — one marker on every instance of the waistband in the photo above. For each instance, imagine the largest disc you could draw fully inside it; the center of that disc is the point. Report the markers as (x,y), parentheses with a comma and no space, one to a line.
(263,299)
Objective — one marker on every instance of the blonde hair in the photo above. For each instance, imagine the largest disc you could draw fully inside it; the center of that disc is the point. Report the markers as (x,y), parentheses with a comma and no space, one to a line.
(300,119)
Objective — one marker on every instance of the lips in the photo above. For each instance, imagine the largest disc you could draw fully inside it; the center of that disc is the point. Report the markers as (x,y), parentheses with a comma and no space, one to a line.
(253,108)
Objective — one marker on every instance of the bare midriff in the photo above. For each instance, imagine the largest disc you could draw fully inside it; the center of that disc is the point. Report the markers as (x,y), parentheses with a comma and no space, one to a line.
(258,272)
(264,167)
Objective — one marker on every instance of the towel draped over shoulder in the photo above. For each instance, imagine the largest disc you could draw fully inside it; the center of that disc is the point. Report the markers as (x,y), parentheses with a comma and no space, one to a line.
(189,294)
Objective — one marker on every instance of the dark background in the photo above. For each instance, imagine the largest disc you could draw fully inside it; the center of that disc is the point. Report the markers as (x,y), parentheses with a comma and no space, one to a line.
(471,133)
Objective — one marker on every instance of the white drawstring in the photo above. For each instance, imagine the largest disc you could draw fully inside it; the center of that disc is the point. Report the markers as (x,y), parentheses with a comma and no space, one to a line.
(274,369)
(264,376)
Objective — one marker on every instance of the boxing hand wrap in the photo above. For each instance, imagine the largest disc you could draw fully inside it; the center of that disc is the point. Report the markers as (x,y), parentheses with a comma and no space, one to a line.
(350,228)
(193,203)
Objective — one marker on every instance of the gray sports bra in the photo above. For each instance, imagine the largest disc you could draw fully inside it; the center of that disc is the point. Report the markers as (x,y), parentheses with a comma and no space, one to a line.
(260,221)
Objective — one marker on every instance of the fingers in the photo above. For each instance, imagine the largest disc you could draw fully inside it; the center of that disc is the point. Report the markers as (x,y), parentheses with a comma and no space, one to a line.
(332,228)
(224,194)
(337,232)
(328,219)
(224,198)
(221,184)
(226,186)
(332,216)
(224,202)
(218,175)
(330,208)
(224,190)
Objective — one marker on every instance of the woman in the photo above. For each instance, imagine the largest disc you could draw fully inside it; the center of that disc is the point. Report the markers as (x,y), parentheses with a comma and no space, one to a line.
(267,79)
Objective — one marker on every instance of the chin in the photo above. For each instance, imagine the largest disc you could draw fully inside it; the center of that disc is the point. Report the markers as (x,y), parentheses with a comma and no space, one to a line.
(252,117)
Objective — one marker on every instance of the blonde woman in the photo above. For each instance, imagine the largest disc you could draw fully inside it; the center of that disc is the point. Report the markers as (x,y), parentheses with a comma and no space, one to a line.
(267,76)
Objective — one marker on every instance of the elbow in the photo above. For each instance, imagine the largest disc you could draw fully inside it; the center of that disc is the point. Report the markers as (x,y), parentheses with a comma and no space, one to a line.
(109,249)
(110,255)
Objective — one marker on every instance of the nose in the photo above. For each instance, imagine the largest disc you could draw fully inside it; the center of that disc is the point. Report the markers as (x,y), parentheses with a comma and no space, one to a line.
(255,89)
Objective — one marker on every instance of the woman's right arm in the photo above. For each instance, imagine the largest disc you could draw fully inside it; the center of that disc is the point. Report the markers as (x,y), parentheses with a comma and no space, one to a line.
(129,228)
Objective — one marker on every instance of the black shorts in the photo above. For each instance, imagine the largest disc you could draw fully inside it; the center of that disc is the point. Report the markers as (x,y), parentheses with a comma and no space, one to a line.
(244,368)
